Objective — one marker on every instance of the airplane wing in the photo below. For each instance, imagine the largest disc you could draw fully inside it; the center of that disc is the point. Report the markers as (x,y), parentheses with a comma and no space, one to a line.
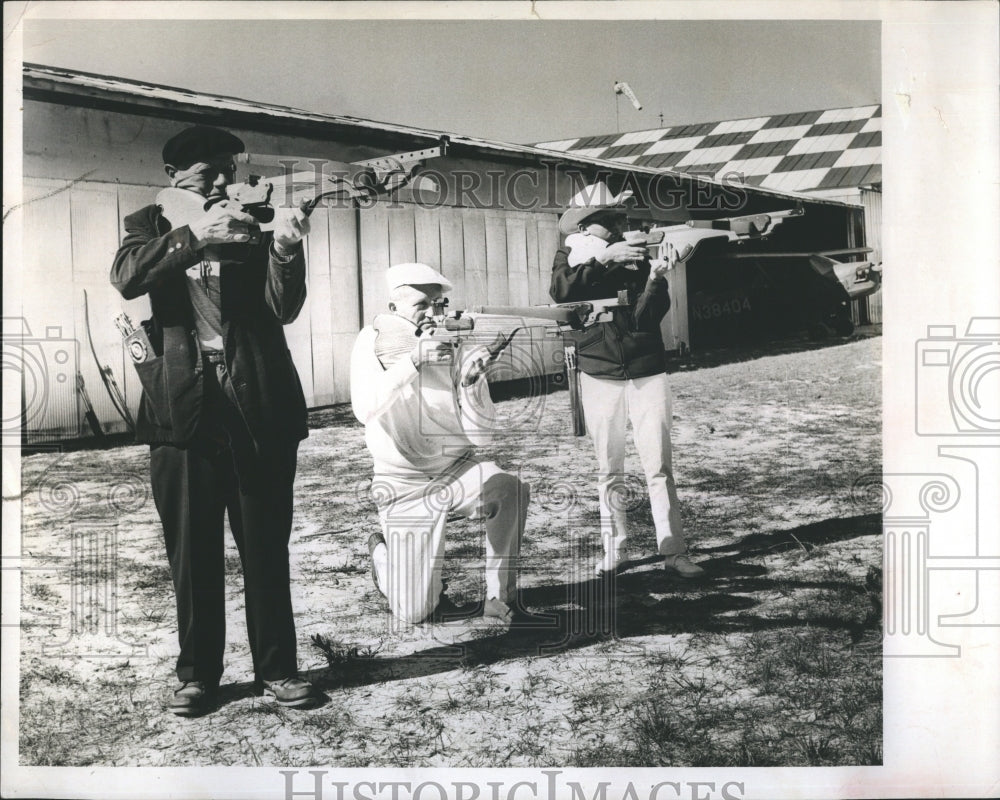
(858,279)
(845,252)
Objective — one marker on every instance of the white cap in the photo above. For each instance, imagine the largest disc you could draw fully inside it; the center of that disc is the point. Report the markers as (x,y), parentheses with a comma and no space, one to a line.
(415,274)
(589,200)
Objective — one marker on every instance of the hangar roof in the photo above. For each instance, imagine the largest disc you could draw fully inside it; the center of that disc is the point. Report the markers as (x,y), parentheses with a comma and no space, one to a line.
(58,85)
(810,150)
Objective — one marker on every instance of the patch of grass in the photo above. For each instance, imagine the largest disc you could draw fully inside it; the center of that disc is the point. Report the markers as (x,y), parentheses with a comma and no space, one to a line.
(324,723)
(844,607)
(529,747)
(750,750)
(817,750)
(664,738)
(868,753)
(43,746)
(153,616)
(834,573)
(814,703)
(152,576)
(768,677)
(72,732)
(410,702)
(42,592)
(413,741)
(479,683)
(599,755)
(850,706)
(809,656)
(677,660)
(346,663)
(267,709)
(50,673)
(449,703)
(348,567)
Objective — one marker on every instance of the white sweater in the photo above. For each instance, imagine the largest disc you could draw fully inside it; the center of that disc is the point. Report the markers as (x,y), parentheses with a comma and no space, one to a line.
(417,421)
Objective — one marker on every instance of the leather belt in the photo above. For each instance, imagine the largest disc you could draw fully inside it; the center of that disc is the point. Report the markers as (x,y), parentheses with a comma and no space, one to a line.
(214,357)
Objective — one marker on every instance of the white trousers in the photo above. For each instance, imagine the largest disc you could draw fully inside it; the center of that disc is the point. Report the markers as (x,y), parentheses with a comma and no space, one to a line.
(413,510)
(607,404)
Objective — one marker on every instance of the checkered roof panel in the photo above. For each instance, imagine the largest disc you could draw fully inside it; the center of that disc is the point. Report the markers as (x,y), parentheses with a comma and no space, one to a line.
(836,148)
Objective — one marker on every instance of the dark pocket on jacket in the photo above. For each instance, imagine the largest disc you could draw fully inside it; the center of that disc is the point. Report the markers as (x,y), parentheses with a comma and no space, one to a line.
(154,386)
(590,338)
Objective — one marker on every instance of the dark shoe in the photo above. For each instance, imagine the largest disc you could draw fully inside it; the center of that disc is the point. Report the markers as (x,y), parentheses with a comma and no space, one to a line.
(681,565)
(290,692)
(193,698)
(373,542)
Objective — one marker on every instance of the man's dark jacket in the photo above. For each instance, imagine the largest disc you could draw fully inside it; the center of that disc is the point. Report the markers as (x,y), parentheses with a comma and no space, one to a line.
(630,345)
(260,292)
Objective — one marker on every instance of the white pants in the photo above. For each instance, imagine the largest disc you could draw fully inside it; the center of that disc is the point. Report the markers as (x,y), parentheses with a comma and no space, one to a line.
(646,401)
(413,510)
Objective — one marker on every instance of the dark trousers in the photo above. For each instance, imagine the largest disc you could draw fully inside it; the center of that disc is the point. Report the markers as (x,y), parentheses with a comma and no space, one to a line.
(193,487)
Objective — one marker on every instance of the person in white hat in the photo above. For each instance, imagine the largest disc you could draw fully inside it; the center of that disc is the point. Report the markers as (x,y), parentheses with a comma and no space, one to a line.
(423,416)
(623,370)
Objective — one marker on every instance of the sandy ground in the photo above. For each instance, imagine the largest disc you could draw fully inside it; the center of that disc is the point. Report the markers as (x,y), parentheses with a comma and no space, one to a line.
(772,660)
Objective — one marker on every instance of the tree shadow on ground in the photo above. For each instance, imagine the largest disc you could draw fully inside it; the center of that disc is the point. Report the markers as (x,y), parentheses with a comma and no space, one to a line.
(576,614)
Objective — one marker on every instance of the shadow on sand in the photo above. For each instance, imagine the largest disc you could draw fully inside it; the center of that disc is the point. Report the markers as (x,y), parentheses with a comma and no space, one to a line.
(572,615)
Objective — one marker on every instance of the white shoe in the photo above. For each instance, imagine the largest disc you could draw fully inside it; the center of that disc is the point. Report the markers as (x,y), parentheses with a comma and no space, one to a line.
(607,566)
(380,560)
(683,566)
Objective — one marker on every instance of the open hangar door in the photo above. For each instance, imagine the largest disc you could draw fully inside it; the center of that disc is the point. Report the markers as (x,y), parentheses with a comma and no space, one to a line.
(771,288)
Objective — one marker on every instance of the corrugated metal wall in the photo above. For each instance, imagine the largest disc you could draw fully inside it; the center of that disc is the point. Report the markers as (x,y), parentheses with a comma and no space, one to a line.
(491,256)
(872,201)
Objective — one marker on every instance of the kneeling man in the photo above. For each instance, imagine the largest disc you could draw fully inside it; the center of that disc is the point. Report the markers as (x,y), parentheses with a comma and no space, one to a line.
(425,406)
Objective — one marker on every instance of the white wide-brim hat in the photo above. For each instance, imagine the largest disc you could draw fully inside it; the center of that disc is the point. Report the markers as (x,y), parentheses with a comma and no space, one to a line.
(415,274)
(589,200)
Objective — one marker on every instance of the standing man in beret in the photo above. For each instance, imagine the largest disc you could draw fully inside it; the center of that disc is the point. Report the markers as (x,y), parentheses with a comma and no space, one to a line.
(222,407)
(623,370)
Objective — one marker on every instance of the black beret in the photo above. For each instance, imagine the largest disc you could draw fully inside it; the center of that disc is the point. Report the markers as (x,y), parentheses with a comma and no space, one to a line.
(198,143)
